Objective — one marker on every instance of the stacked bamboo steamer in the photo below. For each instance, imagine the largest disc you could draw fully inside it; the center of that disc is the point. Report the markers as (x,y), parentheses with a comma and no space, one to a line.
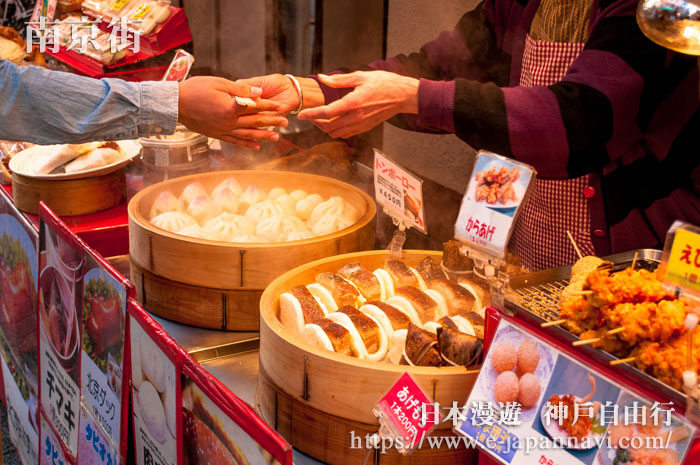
(216,284)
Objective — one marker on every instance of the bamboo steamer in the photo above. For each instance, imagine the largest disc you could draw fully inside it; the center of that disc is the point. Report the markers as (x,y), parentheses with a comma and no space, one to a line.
(70,197)
(215,284)
(315,398)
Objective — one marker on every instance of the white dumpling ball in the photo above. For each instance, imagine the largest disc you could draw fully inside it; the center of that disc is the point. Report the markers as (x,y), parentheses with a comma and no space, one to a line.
(226,200)
(165,202)
(198,232)
(276,192)
(287,200)
(191,191)
(334,206)
(299,235)
(267,209)
(330,223)
(298,195)
(252,195)
(173,221)
(228,226)
(202,209)
(305,206)
(278,228)
(229,183)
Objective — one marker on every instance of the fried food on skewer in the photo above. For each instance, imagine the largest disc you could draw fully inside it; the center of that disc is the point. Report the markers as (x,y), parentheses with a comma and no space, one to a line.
(609,343)
(667,362)
(580,315)
(626,286)
(647,320)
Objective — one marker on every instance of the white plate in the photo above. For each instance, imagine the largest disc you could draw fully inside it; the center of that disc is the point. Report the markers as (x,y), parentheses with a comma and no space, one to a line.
(555,432)
(130,148)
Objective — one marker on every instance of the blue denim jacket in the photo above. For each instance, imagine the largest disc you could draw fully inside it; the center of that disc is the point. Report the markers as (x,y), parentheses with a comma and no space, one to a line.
(51,107)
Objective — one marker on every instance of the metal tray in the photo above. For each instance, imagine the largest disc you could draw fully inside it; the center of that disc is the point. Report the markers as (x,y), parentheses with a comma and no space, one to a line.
(534,298)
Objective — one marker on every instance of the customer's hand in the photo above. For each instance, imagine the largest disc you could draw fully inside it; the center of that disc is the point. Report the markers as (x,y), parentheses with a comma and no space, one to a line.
(377,96)
(207,106)
(277,88)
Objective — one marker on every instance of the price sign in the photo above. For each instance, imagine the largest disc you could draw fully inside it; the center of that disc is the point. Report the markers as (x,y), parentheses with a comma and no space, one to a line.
(61,265)
(399,191)
(94,447)
(180,67)
(408,413)
(497,188)
(50,446)
(681,259)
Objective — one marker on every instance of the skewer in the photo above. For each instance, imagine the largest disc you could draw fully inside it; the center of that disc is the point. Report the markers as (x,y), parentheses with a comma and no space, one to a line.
(573,242)
(615,331)
(581,293)
(585,342)
(546,324)
(634,260)
(622,360)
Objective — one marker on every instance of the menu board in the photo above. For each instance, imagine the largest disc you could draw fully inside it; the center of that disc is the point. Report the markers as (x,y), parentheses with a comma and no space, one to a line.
(220,428)
(18,341)
(399,192)
(154,389)
(94,447)
(61,265)
(532,404)
(497,188)
(103,384)
(51,449)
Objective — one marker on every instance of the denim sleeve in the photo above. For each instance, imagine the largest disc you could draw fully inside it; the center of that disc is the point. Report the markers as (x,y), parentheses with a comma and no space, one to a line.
(50,107)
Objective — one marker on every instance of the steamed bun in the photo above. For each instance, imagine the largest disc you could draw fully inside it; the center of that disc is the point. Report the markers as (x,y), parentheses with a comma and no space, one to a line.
(276,192)
(173,221)
(226,200)
(195,230)
(191,191)
(298,195)
(202,209)
(279,228)
(253,194)
(165,202)
(267,209)
(305,206)
(330,223)
(334,206)
(230,184)
(228,226)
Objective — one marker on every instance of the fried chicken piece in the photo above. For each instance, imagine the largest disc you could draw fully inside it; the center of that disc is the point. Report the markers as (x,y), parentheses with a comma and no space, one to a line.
(580,315)
(626,286)
(667,362)
(647,320)
(612,344)
(584,423)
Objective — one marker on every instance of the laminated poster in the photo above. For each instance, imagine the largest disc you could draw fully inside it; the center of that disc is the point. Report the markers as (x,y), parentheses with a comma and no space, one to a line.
(220,428)
(153,374)
(103,383)
(532,404)
(61,265)
(18,328)
(497,189)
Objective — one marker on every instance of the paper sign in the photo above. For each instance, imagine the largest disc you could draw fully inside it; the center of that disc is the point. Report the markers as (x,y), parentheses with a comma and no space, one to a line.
(214,419)
(154,399)
(43,9)
(94,447)
(532,404)
(497,188)
(104,324)
(681,259)
(60,296)
(399,191)
(180,67)
(409,413)
(51,451)
(21,418)
(18,330)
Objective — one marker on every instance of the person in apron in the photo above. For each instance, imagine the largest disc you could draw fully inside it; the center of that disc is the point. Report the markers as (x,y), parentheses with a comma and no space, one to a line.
(571,87)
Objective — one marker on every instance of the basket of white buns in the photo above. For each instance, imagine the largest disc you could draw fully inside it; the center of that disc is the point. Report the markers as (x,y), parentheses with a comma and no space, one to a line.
(204,247)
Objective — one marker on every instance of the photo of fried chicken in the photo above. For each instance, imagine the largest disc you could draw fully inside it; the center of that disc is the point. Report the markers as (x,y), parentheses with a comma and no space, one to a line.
(495,185)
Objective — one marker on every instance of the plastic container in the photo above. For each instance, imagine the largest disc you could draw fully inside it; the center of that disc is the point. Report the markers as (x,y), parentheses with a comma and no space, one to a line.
(168,157)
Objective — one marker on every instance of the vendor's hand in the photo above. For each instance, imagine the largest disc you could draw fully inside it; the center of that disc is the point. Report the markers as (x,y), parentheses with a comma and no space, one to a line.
(377,96)
(277,88)
(207,106)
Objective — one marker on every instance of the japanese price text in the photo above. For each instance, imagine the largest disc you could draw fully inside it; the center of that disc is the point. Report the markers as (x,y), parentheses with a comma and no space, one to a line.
(60,398)
(683,267)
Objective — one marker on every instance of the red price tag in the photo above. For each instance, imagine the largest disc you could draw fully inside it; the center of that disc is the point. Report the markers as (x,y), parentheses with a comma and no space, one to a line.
(409,410)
